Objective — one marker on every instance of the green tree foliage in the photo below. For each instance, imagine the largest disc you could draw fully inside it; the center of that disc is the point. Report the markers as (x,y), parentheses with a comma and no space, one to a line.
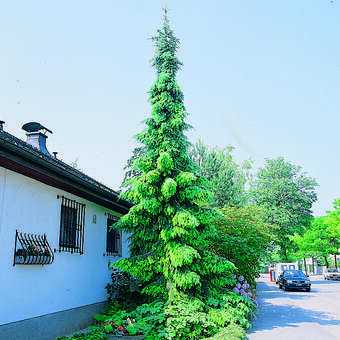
(170,230)
(286,195)
(318,241)
(226,178)
(130,170)
(243,238)
(333,220)
(305,246)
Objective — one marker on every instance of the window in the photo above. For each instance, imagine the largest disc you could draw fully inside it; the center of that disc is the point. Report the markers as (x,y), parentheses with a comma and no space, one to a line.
(113,237)
(72,219)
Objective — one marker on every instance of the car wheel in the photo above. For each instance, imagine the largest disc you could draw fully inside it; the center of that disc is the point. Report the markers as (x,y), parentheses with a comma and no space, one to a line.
(308,289)
(285,288)
(280,286)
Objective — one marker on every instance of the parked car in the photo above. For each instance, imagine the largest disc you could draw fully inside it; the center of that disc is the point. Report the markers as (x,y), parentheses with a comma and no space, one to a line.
(294,279)
(331,274)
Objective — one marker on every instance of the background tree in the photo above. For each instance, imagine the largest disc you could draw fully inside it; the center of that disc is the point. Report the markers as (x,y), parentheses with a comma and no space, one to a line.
(170,231)
(323,241)
(286,195)
(227,180)
(244,239)
(305,247)
(333,221)
(318,241)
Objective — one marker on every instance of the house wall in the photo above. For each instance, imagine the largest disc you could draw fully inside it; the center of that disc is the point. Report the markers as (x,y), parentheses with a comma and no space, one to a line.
(72,280)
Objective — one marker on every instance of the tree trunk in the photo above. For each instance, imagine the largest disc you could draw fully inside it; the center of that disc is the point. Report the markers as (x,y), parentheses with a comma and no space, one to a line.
(284,252)
(304,261)
(336,265)
(327,265)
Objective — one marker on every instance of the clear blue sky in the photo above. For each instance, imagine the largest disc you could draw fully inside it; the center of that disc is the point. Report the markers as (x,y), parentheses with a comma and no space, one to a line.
(262,76)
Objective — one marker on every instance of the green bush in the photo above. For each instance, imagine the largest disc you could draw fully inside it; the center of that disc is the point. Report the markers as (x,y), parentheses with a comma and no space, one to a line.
(231,332)
(124,289)
(147,319)
(243,238)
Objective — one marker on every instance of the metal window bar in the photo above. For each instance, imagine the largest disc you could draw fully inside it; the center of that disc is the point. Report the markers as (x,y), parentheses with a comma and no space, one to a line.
(113,237)
(72,220)
(25,249)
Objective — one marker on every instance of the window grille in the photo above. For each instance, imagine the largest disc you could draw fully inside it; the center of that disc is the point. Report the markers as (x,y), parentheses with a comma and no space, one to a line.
(32,249)
(113,237)
(72,219)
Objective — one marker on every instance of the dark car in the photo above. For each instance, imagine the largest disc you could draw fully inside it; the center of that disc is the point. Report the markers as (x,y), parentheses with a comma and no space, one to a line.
(294,279)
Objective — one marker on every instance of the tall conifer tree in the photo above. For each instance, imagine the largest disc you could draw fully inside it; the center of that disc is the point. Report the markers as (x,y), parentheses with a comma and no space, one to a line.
(170,230)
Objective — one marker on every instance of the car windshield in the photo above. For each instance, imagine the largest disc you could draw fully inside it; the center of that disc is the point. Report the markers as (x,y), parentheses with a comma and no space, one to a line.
(293,274)
(333,271)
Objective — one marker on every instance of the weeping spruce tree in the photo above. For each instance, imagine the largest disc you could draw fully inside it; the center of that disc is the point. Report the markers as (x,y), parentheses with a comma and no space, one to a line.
(170,230)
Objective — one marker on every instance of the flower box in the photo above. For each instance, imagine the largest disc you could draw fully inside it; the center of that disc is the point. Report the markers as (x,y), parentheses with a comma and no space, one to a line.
(32,249)
(19,259)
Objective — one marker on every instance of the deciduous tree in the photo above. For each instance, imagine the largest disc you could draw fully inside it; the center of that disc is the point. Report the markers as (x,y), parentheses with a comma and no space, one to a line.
(227,179)
(333,220)
(243,238)
(286,194)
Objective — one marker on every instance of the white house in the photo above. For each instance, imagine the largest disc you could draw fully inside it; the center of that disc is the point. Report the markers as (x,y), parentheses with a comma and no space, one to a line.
(52,285)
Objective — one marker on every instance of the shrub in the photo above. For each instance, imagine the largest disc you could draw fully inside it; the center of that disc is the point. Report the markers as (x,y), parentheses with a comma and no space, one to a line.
(243,238)
(147,319)
(231,332)
(124,289)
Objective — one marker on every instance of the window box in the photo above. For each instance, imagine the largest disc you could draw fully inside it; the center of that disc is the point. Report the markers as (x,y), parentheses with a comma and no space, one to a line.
(32,249)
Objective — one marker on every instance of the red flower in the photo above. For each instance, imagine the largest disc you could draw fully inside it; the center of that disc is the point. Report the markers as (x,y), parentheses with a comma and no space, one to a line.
(122,329)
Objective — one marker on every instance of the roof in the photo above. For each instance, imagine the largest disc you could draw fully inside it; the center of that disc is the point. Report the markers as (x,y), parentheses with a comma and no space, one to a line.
(19,156)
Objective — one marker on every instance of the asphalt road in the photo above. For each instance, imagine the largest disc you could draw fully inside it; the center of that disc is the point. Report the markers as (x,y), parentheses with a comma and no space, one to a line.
(296,315)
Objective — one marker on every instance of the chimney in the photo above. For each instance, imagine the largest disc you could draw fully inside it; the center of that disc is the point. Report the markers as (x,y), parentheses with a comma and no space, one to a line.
(2,125)
(35,137)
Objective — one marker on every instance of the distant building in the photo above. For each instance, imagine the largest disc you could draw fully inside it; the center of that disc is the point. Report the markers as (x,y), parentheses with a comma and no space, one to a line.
(52,285)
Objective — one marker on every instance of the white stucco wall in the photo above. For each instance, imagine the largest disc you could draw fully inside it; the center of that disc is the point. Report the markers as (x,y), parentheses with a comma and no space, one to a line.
(72,280)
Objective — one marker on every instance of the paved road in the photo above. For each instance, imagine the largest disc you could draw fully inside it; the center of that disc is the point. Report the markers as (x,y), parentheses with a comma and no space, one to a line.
(297,315)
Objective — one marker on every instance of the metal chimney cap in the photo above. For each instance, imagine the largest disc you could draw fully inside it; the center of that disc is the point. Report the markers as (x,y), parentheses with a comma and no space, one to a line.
(35,127)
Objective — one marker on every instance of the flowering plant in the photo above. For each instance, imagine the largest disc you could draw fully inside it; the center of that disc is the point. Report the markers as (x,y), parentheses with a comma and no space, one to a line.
(21,252)
(242,287)
(113,328)
(117,328)
(120,327)
(46,252)
(33,250)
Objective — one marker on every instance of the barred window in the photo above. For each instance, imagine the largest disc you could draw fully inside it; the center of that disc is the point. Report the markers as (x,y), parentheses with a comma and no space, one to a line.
(72,218)
(113,237)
